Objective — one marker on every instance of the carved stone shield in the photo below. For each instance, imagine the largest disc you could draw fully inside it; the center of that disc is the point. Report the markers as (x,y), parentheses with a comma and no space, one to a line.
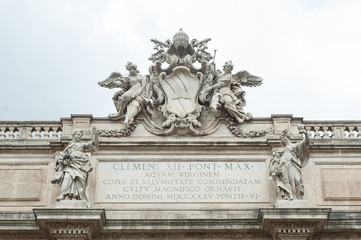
(181,89)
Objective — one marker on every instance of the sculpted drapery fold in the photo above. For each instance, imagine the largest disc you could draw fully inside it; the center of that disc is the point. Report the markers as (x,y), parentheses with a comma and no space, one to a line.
(73,166)
(286,164)
(187,95)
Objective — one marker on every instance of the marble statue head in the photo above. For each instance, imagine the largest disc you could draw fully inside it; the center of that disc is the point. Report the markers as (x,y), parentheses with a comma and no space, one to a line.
(77,134)
(131,66)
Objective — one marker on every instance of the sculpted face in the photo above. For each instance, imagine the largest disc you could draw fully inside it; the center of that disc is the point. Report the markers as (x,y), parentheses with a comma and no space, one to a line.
(78,135)
(133,72)
(227,69)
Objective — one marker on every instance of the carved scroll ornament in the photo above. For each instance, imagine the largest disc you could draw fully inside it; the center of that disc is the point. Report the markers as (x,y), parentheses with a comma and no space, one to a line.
(176,98)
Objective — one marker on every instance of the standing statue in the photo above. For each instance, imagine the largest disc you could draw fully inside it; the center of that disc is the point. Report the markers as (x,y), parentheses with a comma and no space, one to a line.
(229,94)
(73,166)
(286,163)
(134,95)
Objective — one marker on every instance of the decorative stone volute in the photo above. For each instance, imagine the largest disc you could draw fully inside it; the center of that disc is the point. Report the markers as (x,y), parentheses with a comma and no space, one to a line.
(180,97)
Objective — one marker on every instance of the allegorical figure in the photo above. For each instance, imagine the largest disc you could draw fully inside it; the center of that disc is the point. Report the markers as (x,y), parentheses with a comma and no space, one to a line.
(229,94)
(73,166)
(135,93)
(286,163)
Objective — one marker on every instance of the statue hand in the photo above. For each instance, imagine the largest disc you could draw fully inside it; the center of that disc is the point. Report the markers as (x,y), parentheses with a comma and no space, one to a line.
(207,89)
(301,128)
(57,167)
(93,130)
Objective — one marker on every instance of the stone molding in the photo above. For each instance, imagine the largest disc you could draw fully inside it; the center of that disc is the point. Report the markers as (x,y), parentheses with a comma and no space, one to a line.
(293,223)
(292,230)
(64,223)
(269,223)
(233,234)
(13,133)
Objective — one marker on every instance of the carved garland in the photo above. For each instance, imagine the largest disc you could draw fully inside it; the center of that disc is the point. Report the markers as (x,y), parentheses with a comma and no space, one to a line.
(125,132)
(237,131)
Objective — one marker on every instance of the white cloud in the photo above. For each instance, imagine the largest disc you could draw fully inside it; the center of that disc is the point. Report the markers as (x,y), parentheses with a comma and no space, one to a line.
(308,52)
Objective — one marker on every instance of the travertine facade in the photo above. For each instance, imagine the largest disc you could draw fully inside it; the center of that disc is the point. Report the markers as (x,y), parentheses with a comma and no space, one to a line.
(180,159)
(123,207)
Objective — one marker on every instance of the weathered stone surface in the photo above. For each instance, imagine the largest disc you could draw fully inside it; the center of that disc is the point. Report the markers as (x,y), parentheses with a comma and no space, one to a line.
(293,223)
(73,165)
(71,204)
(181,182)
(20,184)
(341,183)
(286,163)
(220,147)
(271,223)
(23,181)
(70,223)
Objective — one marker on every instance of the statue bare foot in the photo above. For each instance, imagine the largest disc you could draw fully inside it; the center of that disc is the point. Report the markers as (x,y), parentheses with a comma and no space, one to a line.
(60,197)
(249,116)
(115,116)
(240,120)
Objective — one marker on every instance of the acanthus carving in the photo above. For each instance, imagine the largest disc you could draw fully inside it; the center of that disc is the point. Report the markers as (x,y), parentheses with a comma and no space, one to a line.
(176,98)
(236,130)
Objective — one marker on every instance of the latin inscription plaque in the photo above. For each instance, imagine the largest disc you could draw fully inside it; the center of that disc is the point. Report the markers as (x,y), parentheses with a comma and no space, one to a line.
(188,182)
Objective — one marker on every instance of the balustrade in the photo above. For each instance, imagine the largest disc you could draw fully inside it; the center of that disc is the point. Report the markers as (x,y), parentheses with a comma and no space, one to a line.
(329,130)
(54,130)
(30,131)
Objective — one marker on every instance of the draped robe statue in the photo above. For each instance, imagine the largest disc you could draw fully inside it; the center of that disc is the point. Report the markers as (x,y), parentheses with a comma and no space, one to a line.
(73,166)
(286,163)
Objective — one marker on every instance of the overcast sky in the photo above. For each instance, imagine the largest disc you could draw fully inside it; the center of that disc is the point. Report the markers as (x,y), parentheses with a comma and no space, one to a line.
(53,53)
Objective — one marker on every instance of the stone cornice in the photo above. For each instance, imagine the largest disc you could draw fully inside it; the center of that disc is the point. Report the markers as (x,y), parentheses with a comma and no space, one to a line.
(253,223)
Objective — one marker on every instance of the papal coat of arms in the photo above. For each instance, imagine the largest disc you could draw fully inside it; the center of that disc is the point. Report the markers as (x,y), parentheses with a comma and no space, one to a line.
(177,96)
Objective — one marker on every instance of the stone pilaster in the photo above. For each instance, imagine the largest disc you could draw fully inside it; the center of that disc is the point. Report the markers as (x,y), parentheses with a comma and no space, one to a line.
(281,122)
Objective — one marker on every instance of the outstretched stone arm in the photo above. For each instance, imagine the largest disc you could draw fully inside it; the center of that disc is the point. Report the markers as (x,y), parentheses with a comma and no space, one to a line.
(217,86)
(306,140)
(302,149)
(94,143)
